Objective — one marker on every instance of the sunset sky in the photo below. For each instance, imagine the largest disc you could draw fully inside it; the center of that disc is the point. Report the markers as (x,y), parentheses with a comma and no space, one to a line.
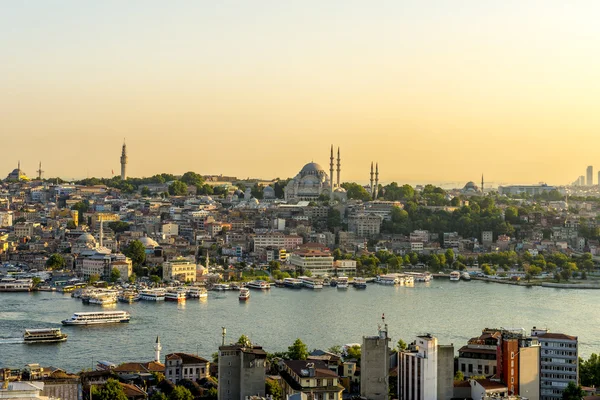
(436,91)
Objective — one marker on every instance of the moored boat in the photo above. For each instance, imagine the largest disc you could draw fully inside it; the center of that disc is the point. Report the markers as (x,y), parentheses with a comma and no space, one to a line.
(360,283)
(97,318)
(465,276)
(152,295)
(219,287)
(175,295)
(197,293)
(128,296)
(103,299)
(259,284)
(292,283)
(311,283)
(47,335)
(455,276)
(15,285)
(342,282)
(244,294)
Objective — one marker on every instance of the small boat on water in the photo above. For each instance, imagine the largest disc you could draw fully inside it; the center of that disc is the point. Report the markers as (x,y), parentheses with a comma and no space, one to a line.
(103,299)
(197,292)
(219,287)
(465,276)
(244,294)
(47,335)
(455,276)
(177,295)
(311,283)
(152,295)
(360,283)
(259,285)
(292,283)
(128,296)
(342,282)
(97,318)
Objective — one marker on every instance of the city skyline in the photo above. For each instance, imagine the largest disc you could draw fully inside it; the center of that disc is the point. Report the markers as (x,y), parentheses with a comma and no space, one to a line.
(437,93)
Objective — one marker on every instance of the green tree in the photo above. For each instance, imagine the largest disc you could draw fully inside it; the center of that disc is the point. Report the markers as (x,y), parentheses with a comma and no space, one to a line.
(354,352)
(589,370)
(192,178)
(356,191)
(459,376)
(573,392)
(244,341)
(334,219)
(111,390)
(118,226)
(115,275)
(272,388)
(177,188)
(132,278)
(335,350)
(159,396)
(401,345)
(297,351)
(36,281)
(56,262)
(71,225)
(485,268)
(449,256)
(93,278)
(145,192)
(155,278)
(181,393)
(137,252)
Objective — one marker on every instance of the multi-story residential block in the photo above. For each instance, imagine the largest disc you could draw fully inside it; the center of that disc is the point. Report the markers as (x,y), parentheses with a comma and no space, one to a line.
(479,356)
(310,379)
(451,240)
(179,366)
(365,225)
(487,237)
(276,240)
(181,269)
(242,371)
(170,229)
(345,267)
(558,362)
(24,229)
(317,261)
(418,370)
(6,219)
(375,366)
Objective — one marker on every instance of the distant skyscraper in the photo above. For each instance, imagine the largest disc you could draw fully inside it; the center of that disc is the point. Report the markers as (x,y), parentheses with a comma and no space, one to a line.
(590,175)
(582,180)
(124,161)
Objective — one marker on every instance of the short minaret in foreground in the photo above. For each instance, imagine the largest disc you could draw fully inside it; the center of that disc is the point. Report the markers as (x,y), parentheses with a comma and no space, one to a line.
(124,161)
(157,349)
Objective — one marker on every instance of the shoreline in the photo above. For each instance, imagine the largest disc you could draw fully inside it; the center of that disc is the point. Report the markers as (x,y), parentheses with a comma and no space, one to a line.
(554,285)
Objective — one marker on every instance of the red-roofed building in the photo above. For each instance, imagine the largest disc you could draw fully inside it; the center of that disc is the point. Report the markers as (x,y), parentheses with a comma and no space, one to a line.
(312,378)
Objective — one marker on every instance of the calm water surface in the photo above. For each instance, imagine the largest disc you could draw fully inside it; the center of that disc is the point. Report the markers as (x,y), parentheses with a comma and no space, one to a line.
(452,311)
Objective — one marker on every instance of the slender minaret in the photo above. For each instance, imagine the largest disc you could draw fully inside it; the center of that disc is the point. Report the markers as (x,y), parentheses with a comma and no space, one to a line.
(40,172)
(331,182)
(481,183)
(339,168)
(371,179)
(101,231)
(376,180)
(124,161)
(157,349)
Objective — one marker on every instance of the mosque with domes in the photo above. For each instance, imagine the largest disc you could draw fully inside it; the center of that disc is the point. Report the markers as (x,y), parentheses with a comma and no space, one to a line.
(17,174)
(312,182)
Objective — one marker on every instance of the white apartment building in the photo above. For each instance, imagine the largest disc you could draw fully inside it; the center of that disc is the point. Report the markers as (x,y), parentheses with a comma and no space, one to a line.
(419,236)
(417,370)
(170,229)
(365,225)
(276,240)
(6,219)
(318,262)
(559,357)
(487,237)
(181,269)
(345,267)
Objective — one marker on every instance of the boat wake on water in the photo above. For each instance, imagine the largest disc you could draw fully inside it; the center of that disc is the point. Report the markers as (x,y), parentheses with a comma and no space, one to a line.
(11,341)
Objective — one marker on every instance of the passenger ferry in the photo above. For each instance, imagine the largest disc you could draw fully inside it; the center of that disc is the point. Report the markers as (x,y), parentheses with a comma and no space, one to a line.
(97,318)
(49,335)
(360,283)
(177,295)
(455,276)
(292,283)
(342,282)
(259,284)
(15,285)
(152,295)
(103,299)
(244,294)
(197,293)
(311,283)
(389,279)
(219,287)
(128,296)
(420,276)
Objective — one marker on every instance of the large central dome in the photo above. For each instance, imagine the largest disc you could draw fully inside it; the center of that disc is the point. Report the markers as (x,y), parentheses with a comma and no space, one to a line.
(311,168)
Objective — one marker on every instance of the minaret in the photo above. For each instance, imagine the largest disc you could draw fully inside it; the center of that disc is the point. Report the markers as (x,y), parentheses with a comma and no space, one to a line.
(371,179)
(376,180)
(481,183)
(40,172)
(331,182)
(157,349)
(101,231)
(207,259)
(124,161)
(339,168)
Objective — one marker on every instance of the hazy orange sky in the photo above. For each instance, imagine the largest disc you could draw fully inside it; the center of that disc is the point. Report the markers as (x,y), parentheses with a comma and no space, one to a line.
(433,90)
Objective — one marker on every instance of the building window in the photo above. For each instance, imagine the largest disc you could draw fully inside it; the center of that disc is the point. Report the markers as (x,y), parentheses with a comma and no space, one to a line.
(463,367)
(486,369)
(470,368)
(197,371)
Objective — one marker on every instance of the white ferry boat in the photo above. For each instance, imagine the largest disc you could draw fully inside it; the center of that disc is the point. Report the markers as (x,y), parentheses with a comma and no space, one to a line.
(103,299)
(408,280)
(97,318)
(342,282)
(420,276)
(128,296)
(455,276)
(292,283)
(15,285)
(244,294)
(389,279)
(197,293)
(152,295)
(49,335)
(311,283)
(177,295)
(465,276)
(360,283)
(219,287)
(259,284)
